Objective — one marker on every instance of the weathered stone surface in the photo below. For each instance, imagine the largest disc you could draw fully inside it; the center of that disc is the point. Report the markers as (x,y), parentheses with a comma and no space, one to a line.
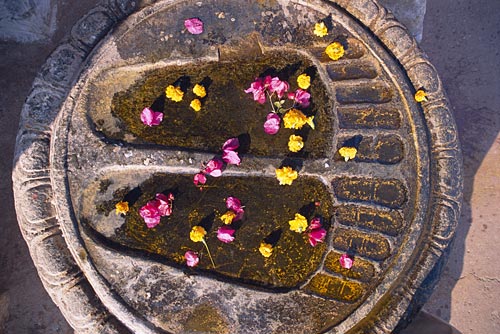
(409,12)
(111,271)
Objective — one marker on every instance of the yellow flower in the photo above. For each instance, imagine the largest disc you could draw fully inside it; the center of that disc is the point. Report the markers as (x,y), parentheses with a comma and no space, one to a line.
(265,249)
(295,119)
(228,217)
(304,81)
(196,105)
(286,175)
(197,234)
(199,91)
(335,51)
(420,95)
(320,29)
(121,207)
(299,224)
(348,153)
(295,143)
(174,93)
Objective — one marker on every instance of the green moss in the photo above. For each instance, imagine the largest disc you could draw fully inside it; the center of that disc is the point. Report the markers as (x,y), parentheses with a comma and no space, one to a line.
(268,208)
(227,111)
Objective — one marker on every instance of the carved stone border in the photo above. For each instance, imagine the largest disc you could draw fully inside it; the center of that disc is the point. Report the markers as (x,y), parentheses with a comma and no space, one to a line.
(32,185)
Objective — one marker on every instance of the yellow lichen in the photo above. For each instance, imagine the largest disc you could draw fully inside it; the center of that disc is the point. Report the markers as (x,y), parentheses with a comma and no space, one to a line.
(295,119)
(304,81)
(265,249)
(335,51)
(420,95)
(348,153)
(199,91)
(174,93)
(121,207)
(298,224)
(195,104)
(197,234)
(295,143)
(320,29)
(286,175)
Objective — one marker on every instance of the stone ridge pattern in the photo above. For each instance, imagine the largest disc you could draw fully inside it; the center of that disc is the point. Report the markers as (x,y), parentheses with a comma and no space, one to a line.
(69,288)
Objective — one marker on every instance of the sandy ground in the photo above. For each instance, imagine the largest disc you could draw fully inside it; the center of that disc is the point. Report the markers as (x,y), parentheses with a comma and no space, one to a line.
(462,38)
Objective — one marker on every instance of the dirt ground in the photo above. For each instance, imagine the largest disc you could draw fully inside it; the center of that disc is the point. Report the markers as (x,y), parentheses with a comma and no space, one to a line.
(462,39)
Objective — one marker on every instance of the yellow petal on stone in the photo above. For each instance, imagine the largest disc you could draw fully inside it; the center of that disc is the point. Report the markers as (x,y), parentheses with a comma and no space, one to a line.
(195,105)
(121,207)
(174,93)
(320,29)
(197,234)
(199,91)
(304,81)
(295,143)
(335,51)
(265,249)
(348,153)
(420,95)
(298,224)
(228,217)
(286,175)
(310,122)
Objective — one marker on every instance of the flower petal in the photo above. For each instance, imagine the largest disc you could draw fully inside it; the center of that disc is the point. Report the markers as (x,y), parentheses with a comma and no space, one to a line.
(231,157)
(150,117)
(192,258)
(231,144)
(346,261)
(315,223)
(214,167)
(194,25)
(150,214)
(317,235)
(225,234)
(199,178)
(272,124)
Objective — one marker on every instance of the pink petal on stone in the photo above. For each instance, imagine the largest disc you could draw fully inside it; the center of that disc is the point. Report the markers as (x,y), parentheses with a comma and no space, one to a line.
(315,223)
(192,258)
(302,98)
(346,261)
(199,178)
(234,204)
(164,205)
(214,167)
(231,144)
(150,117)
(225,234)
(272,124)
(317,235)
(231,157)
(150,214)
(194,25)
(279,87)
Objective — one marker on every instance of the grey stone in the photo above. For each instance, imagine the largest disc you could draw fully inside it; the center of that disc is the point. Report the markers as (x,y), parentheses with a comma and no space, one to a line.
(409,12)
(4,310)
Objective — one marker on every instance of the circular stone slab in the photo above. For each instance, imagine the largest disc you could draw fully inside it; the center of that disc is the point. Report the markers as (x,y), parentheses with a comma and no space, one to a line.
(82,149)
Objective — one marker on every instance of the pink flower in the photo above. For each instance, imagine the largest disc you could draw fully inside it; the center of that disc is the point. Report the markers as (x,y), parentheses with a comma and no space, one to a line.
(164,204)
(301,97)
(231,157)
(279,87)
(231,144)
(315,223)
(194,25)
(214,167)
(234,204)
(317,235)
(199,178)
(272,124)
(258,90)
(346,261)
(225,234)
(150,214)
(150,117)
(192,258)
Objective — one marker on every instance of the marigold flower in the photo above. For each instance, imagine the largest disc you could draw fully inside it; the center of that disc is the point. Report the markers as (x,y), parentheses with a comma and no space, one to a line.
(228,217)
(195,105)
(265,249)
(348,153)
(295,119)
(121,207)
(225,234)
(192,258)
(295,143)
(286,175)
(174,93)
(194,25)
(304,81)
(197,234)
(420,95)
(346,261)
(335,51)
(298,224)
(320,29)
(150,117)
(199,91)
(272,124)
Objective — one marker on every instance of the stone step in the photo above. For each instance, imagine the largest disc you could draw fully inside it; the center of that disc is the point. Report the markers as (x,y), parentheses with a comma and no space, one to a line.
(383,221)
(384,149)
(367,245)
(369,117)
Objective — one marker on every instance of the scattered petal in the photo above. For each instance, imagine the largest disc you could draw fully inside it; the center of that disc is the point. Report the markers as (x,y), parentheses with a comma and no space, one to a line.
(164,204)
(279,87)
(335,51)
(346,261)
(195,105)
(420,96)
(298,224)
(228,217)
(214,167)
(199,91)
(301,97)
(295,143)
(199,178)
(150,117)
(286,175)
(225,234)
(174,93)
(231,157)
(315,223)
(272,124)
(194,25)
(258,89)
(233,203)
(320,29)
(304,81)
(197,234)
(150,214)
(317,235)
(231,144)
(348,153)
(121,207)
(192,258)
(295,119)
(265,249)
